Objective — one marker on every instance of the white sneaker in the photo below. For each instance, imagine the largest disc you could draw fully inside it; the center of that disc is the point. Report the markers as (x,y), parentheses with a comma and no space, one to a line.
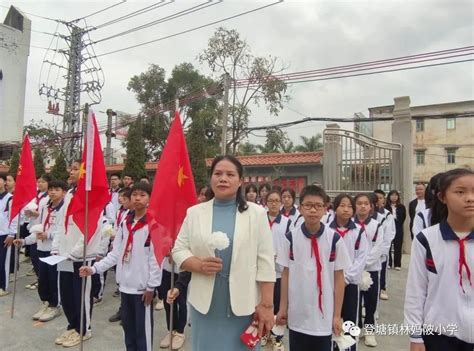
(264,340)
(43,308)
(159,305)
(363,312)
(64,336)
(278,346)
(369,340)
(398,268)
(383,295)
(3,292)
(49,314)
(165,342)
(177,341)
(75,339)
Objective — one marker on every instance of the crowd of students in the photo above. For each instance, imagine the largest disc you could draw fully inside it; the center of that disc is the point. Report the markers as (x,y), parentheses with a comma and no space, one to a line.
(330,261)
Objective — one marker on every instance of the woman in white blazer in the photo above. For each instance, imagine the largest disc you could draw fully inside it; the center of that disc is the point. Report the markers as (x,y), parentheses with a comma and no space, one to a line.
(229,287)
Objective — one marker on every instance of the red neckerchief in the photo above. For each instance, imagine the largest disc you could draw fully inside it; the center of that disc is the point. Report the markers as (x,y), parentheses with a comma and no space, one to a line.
(50,209)
(319,267)
(39,198)
(463,262)
(119,216)
(342,233)
(131,232)
(271,221)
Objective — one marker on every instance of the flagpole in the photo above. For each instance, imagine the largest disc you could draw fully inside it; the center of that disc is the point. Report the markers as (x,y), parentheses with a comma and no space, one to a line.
(15,269)
(171,306)
(83,279)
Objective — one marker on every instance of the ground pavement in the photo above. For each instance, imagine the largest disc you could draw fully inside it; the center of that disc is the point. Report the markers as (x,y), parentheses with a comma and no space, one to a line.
(21,333)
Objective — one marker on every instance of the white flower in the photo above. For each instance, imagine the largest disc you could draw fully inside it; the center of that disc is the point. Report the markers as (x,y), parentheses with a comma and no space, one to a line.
(32,206)
(218,241)
(37,228)
(107,231)
(366,281)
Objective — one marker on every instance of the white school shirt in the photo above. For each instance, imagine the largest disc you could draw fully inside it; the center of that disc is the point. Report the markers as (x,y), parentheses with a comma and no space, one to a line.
(141,273)
(7,228)
(433,292)
(328,217)
(280,226)
(388,228)
(292,215)
(296,253)
(375,239)
(53,224)
(40,200)
(357,247)
(422,221)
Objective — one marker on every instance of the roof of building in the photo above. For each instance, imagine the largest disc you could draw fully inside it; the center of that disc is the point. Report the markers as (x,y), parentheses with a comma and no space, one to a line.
(277,159)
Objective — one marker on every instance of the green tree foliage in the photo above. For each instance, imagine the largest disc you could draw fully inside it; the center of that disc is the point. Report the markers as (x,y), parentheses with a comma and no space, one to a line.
(197,150)
(277,141)
(157,95)
(38,162)
(46,136)
(247,148)
(135,145)
(228,54)
(59,170)
(13,163)
(313,143)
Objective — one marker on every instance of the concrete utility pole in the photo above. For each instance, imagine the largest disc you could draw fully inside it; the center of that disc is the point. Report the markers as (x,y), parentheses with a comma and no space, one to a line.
(72,122)
(109,135)
(225,114)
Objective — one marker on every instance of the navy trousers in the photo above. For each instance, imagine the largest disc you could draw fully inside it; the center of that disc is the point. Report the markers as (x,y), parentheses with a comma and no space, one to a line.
(180,309)
(47,281)
(305,342)
(137,322)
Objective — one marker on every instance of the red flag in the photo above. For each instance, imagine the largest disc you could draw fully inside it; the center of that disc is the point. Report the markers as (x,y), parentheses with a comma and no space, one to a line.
(93,179)
(173,192)
(25,187)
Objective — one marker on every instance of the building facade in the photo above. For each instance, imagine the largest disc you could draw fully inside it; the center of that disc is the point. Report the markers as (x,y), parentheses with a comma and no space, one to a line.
(438,144)
(15,34)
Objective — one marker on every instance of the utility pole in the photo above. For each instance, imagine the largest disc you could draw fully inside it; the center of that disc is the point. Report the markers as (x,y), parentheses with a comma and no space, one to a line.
(225,114)
(109,135)
(72,122)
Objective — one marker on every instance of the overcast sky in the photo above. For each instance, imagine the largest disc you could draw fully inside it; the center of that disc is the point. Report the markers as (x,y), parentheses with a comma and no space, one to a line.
(305,35)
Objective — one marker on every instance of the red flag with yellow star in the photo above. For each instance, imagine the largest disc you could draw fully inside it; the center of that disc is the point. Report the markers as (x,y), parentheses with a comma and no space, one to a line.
(25,187)
(173,191)
(93,179)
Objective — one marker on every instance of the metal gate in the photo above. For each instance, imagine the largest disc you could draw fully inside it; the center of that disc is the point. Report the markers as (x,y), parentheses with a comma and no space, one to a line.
(354,162)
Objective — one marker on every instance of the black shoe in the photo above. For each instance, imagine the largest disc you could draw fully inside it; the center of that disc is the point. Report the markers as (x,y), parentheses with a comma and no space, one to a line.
(116,293)
(115,317)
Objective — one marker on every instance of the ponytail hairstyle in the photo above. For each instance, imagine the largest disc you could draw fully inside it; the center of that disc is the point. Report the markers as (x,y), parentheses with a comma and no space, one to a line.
(440,213)
(239,198)
(432,190)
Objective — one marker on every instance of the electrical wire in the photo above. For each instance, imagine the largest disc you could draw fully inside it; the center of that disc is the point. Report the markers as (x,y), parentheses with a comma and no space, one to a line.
(145,9)
(32,14)
(191,29)
(99,11)
(182,13)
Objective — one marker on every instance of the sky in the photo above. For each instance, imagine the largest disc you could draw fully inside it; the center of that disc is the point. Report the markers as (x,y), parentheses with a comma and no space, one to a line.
(304,35)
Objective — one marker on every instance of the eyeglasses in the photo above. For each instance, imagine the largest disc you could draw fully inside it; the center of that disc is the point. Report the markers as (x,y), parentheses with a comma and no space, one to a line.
(273,201)
(309,206)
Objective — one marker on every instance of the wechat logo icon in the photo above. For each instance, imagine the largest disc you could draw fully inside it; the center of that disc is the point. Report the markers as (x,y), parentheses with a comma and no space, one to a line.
(350,328)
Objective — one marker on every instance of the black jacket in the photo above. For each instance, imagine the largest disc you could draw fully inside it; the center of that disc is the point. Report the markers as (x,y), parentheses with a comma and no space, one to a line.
(412,211)
(400,216)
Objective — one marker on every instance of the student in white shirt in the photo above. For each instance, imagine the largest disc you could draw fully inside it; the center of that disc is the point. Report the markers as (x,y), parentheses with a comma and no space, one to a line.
(280,225)
(7,235)
(357,246)
(137,271)
(251,193)
(52,219)
(288,209)
(328,216)
(314,258)
(365,204)
(439,290)
(263,191)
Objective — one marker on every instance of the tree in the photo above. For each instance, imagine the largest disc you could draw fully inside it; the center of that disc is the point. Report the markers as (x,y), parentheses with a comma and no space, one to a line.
(135,145)
(247,148)
(39,162)
(45,136)
(14,161)
(277,141)
(197,150)
(157,96)
(229,55)
(314,143)
(59,170)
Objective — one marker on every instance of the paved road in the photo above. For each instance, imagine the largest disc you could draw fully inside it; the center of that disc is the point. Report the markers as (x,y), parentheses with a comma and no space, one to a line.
(21,333)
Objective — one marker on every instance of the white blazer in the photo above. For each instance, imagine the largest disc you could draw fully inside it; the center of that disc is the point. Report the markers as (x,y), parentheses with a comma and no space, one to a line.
(252,256)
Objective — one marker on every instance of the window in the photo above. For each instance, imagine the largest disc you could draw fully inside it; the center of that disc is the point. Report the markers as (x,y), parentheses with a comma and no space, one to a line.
(420,157)
(451,123)
(451,153)
(420,125)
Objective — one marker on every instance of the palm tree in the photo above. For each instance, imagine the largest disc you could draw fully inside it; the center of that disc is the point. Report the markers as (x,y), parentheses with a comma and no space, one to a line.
(313,143)
(247,148)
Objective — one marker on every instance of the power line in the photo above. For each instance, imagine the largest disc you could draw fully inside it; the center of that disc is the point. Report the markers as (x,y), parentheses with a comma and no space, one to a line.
(182,13)
(99,11)
(191,30)
(145,9)
(32,14)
